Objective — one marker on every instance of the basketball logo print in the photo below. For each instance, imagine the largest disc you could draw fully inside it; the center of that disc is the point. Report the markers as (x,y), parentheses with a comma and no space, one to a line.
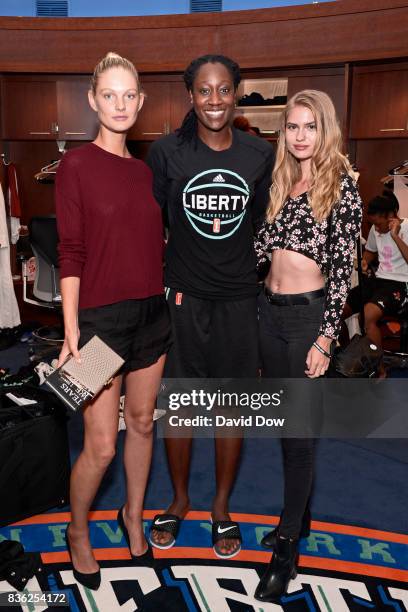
(215,203)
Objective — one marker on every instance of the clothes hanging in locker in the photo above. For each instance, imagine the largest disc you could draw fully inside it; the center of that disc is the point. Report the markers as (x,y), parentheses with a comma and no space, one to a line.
(9,312)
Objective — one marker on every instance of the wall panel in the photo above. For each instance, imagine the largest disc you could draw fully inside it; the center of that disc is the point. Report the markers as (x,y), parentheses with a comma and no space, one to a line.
(350,30)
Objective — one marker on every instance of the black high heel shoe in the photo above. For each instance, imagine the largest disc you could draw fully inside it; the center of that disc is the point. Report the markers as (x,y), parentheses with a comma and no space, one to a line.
(90,581)
(145,558)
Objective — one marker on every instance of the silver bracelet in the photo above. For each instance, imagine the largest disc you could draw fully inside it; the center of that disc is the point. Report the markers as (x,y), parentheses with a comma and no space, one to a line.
(321,350)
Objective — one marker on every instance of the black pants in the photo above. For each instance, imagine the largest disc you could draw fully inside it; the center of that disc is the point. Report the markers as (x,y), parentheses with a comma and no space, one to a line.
(389,295)
(286,335)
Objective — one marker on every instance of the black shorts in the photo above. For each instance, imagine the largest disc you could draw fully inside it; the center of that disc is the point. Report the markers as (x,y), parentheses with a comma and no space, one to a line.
(212,338)
(388,295)
(138,330)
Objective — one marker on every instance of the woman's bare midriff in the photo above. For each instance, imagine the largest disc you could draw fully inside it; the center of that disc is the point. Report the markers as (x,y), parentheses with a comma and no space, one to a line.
(292,272)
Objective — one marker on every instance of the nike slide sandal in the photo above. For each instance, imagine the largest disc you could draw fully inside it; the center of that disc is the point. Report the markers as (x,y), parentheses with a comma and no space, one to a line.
(166,523)
(225,530)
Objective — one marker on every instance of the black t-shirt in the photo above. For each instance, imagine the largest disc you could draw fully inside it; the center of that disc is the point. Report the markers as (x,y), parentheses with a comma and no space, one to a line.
(212,201)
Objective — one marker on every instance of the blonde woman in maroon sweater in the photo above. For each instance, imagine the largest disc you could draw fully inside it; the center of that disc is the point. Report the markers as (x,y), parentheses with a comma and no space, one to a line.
(111,245)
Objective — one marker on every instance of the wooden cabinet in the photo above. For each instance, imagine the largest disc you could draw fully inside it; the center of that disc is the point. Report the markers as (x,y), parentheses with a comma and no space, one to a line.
(281,84)
(380,102)
(29,110)
(76,119)
(56,108)
(153,117)
(49,109)
(164,108)
(331,82)
(179,104)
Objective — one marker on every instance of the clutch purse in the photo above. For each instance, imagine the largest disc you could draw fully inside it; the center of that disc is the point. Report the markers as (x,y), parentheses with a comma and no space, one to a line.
(76,384)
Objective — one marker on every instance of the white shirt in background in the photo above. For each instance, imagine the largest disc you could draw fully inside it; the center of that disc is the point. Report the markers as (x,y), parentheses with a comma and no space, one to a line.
(392,265)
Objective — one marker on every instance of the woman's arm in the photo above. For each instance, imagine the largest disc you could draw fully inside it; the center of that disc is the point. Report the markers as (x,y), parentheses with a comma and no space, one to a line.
(346,226)
(262,245)
(71,248)
(345,229)
(70,297)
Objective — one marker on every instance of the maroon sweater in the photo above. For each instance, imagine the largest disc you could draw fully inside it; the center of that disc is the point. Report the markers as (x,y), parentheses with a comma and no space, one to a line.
(109,226)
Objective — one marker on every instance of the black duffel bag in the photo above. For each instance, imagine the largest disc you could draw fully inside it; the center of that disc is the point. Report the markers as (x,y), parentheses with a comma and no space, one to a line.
(359,359)
(34,456)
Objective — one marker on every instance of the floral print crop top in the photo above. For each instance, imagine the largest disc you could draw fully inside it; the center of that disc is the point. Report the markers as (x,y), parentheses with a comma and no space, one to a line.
(296,229)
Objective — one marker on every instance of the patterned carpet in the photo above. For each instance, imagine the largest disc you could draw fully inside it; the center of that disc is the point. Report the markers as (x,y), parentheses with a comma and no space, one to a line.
(341,568)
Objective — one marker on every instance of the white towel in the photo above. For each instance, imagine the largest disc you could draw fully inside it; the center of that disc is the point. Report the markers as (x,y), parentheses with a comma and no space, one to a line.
(9,313)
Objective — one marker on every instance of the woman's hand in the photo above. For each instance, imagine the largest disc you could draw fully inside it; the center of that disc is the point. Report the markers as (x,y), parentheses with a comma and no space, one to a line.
(316,362)
(70,346)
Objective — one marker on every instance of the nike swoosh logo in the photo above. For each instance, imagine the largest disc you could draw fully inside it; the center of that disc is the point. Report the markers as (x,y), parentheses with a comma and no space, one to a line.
(159,522)
(220,530)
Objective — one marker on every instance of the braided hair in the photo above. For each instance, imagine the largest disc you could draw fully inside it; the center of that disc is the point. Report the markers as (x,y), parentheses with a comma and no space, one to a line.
(188,129)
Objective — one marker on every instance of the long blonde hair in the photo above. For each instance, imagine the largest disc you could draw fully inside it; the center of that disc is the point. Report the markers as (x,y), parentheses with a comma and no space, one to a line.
(112,60)
(328,162)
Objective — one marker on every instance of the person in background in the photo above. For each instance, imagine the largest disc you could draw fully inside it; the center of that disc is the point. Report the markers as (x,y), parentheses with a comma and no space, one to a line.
(310,231)
(385,290)
(242,123)
(212,182)
(110,251)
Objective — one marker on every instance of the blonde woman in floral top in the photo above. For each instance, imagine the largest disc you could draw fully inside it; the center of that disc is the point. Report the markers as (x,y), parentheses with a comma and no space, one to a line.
(309,235)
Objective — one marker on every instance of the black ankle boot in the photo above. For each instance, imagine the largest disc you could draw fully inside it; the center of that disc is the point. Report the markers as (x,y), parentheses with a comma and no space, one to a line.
(281,569)
(269,540)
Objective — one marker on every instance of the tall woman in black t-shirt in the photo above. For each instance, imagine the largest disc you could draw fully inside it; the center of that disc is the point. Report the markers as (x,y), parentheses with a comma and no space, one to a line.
(212,182)
(111,248)
(310,231)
